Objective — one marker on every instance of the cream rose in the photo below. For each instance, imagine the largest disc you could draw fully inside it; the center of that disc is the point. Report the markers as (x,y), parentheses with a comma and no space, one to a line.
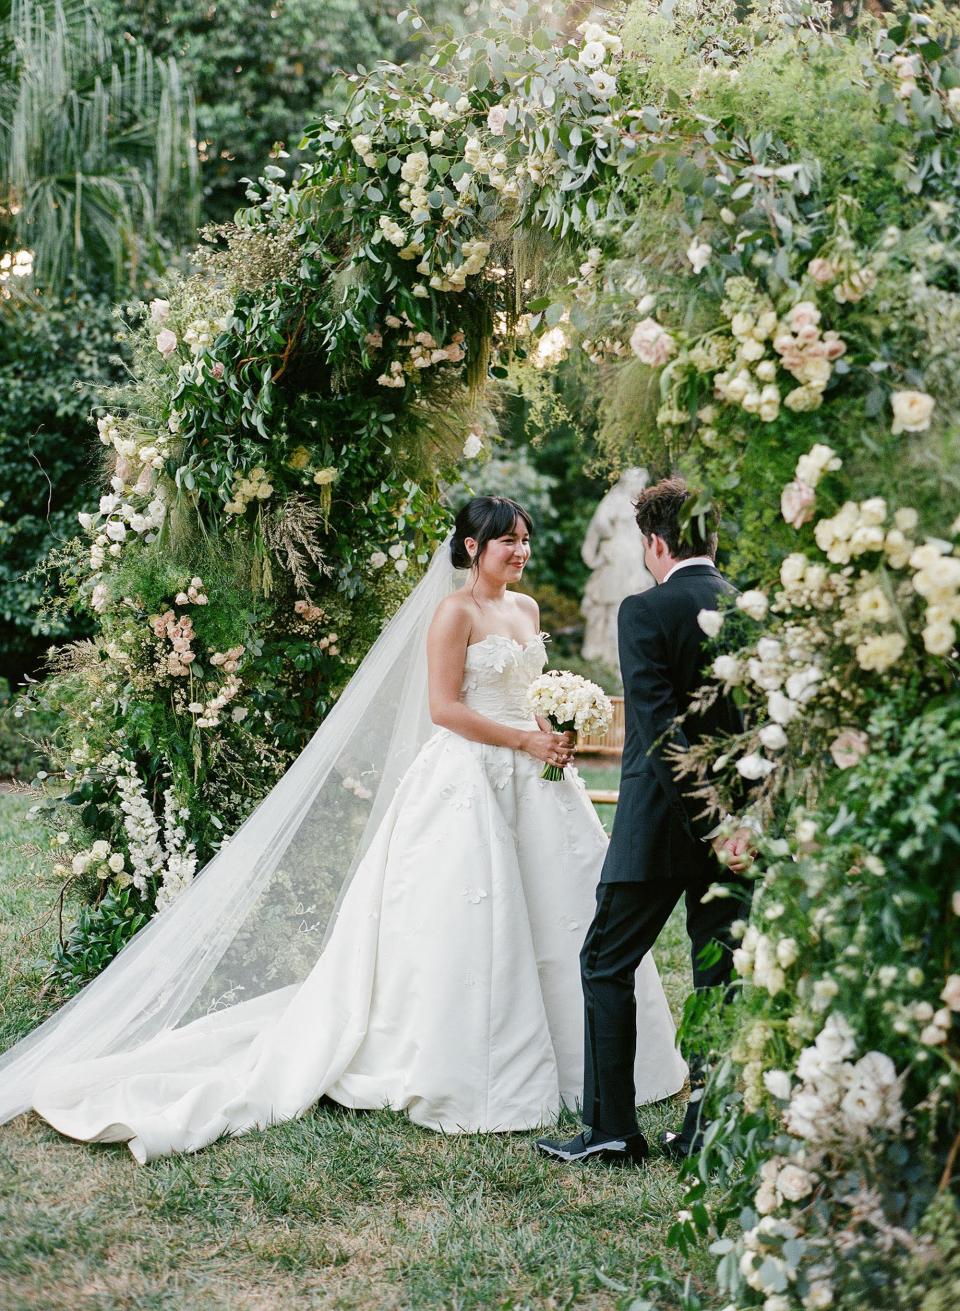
(912,411)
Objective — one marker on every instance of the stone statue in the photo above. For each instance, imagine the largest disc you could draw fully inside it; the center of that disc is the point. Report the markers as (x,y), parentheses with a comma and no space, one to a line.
(614,552)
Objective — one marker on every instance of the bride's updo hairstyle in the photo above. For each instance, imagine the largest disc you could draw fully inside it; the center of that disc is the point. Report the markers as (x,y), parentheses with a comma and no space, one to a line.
(485,518)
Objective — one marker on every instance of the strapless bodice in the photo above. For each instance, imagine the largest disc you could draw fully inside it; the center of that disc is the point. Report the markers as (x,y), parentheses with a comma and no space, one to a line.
(497,673)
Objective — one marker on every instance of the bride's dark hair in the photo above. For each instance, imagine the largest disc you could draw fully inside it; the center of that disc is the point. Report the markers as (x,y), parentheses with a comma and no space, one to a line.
(485,518)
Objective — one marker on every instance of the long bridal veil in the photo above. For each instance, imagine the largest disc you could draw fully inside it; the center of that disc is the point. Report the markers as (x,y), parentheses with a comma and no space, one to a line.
(258,915)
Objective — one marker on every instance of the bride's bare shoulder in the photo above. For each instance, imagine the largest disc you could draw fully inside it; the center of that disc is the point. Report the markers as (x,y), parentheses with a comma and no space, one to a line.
(528,605)
(452,616)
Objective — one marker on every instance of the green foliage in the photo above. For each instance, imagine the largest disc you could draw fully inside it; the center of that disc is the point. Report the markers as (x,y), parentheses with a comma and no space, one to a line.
(97,935)
(97,166)
(55,357)
(258,71)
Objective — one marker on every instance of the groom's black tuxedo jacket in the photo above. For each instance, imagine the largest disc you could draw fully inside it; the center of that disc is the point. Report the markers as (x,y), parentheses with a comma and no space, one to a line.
(657,833)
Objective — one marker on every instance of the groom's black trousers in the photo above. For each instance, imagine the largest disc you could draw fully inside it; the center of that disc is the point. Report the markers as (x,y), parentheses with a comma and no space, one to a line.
(628,920)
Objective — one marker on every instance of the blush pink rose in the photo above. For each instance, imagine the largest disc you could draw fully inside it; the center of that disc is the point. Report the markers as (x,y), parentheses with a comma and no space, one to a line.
(497,120)
(166,343)
(849,747)
(796,503)
(821,270)
(651,343)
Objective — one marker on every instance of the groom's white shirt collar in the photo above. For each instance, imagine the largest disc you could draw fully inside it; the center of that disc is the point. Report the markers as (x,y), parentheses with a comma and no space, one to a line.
(683,564)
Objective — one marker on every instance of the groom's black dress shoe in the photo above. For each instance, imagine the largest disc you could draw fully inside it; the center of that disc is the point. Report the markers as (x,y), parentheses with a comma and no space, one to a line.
(676,1146)
(589,1146)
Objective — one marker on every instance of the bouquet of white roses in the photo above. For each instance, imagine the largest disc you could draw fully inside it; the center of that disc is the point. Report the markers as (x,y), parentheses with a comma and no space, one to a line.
(571,703)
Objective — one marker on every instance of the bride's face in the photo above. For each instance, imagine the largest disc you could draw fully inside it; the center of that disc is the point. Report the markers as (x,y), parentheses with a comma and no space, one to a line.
(503,558)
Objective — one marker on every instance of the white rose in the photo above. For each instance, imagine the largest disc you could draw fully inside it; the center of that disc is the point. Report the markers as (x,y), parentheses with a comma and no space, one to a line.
(100,849)
(933,1035)
(835,1041)
(604,84)
(698,253)
(773,737)
(880,652)
(593,54)
(819,1297)
(951,992)
(378,559)
(939,638)
(753,603)
(794,1183)
(781,708)
(472,446)
(754,766)
(116,862)
(159,311)
(710,621)
(787,952)
(727,669)
(777,1084)
(802,686)
(497,119)
(912,411)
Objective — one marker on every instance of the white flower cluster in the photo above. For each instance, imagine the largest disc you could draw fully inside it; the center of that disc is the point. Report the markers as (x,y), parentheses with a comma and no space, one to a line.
(181,854)
(782,1181)
(254,486)
(198,335)
(748,380)
(193,594)
(599,45)
(798,498)
(836,1098)
(851,279)
(207,713)
(423,352)
(103,862)
(857,528)
(397,553)
(115,517)
(146,852)
(937,579)
(807,354)
(571,701)
(765,961)
(133,457)
(363,145)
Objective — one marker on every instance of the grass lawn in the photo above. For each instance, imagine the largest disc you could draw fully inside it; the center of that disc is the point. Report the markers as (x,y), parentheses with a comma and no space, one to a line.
(337,1210)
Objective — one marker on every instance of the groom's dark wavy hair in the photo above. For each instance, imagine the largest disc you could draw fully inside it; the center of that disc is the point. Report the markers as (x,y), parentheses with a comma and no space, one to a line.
(658,509)
(485,518)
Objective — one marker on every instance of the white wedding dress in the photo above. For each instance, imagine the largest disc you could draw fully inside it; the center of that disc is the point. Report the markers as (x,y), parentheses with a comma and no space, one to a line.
(448,988)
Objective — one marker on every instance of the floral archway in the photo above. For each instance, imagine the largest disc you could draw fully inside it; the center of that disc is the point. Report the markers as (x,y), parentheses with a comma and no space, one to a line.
(750,231)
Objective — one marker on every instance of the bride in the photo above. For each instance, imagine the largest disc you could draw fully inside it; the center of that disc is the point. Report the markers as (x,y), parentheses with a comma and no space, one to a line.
(396,925)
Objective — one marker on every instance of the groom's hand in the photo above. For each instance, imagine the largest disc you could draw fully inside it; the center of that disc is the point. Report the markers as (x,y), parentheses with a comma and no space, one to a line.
(736,852)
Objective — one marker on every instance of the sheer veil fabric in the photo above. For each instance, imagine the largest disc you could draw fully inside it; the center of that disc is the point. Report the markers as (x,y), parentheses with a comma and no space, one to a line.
(254,921)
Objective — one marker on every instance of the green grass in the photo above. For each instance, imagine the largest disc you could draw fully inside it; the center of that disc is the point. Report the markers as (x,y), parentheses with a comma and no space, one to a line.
(337,1210)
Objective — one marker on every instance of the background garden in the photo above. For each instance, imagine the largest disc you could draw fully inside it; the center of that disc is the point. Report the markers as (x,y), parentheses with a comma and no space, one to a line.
(533,248)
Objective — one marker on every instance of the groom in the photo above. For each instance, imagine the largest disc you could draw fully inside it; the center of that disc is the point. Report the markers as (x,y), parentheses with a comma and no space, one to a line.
(661,848)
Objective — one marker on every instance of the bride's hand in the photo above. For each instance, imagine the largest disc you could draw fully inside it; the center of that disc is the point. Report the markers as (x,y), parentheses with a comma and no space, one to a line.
(548,746)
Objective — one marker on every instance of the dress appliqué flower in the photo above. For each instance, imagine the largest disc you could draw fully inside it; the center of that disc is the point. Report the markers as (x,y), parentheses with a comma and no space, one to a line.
(460,794)
(474,895)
